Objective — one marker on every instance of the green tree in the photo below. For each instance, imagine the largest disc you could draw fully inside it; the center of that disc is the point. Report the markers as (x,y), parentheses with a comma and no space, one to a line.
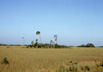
(90,45)
(36,40)
(38,33)
(55,36)
(56,46)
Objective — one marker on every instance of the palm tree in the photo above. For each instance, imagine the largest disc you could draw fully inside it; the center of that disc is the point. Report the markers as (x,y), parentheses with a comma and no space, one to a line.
(51,41)
(38,33)
(36,40)
(55,36)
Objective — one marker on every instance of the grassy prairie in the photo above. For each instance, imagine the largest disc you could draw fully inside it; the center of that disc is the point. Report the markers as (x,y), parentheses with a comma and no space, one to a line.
(46,59)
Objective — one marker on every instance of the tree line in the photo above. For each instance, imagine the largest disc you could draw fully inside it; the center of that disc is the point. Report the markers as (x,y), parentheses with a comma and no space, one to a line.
(39,45)
(87,45)
(52,45)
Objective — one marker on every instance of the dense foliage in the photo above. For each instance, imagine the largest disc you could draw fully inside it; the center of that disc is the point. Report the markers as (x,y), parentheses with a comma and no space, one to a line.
(88,45)
(5,61)
(36,45)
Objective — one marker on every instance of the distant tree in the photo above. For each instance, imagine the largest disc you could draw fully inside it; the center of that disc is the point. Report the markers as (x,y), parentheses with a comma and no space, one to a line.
(23,40)
(36,43)
(56,46)
(32,42)
(82,45)
(36,40)
(38,33)
(55,36)
(51,41)
(90,45)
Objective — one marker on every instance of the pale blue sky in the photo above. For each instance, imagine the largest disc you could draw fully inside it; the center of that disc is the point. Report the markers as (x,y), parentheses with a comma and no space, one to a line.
(75,22)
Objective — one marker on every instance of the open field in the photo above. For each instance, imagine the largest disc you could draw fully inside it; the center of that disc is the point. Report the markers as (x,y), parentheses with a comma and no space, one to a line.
(46,59)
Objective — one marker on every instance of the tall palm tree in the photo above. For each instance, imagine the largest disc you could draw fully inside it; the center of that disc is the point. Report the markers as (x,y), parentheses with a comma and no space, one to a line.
(38,33)
(51,41)
(55,36)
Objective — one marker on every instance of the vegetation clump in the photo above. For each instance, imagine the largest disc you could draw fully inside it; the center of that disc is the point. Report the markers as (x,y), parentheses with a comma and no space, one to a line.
(88,45)
(85,68)
(74,68)
(70,69)
(38,45)
(5,61)
(100,64)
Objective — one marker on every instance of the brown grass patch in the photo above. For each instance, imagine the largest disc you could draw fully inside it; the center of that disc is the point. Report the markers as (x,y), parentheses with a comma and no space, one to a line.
(44,60)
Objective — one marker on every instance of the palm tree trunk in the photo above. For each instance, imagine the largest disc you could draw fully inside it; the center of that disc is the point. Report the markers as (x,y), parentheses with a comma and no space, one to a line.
(41,40)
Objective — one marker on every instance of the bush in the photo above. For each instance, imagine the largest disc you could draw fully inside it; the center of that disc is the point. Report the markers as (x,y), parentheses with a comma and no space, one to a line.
(85,68)
(82,45)
(88,45)
(57,46)
(36,44)
(27,46)
(39,46)
(30,46)
(70,69)
(99,65)
(5,61)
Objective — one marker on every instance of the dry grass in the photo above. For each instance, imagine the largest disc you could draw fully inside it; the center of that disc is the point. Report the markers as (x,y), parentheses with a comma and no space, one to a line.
(45,60)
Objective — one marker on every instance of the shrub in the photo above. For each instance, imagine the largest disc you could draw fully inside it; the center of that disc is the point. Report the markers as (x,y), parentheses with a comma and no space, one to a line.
(75,62)
(56,45)
(70,69)
(88,45)
(35,44)
(82,45)
(39,46)
(5,61)
(70,62)
(101,64)
(30,46)
(85,68)
(27,46)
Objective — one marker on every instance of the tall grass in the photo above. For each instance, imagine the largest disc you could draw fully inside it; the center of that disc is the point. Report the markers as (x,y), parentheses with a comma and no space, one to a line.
(46,60)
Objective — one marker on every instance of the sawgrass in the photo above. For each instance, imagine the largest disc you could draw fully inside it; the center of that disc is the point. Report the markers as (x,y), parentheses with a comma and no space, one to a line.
(46,59)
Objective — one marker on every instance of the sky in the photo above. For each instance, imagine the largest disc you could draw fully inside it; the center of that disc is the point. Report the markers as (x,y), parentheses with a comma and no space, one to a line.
(75,22)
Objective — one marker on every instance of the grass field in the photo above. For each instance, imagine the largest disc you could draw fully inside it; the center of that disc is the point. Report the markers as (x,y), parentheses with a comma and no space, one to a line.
(46,59)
